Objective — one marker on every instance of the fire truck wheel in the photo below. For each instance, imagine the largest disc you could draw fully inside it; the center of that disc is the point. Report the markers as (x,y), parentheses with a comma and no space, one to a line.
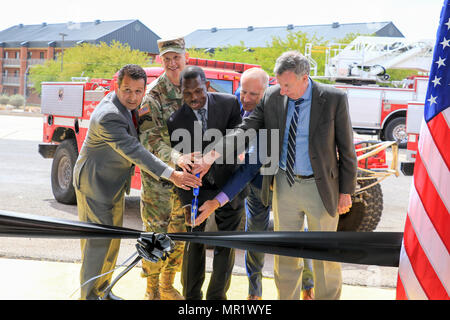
(62,171)
(365,213)
(396,131)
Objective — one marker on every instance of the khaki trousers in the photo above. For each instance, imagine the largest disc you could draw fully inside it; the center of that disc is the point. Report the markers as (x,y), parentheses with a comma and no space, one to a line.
(290,205)
(98,256)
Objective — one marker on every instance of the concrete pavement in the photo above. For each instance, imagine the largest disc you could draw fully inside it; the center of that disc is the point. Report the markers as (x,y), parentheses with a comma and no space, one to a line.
(47,280)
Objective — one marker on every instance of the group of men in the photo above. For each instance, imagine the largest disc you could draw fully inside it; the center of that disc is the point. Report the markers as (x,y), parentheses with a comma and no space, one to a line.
(314,175)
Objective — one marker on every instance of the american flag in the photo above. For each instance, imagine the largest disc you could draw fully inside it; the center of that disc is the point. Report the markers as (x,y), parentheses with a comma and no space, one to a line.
(424,269)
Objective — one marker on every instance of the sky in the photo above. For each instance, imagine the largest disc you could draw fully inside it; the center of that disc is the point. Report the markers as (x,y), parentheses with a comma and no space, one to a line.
(416,19)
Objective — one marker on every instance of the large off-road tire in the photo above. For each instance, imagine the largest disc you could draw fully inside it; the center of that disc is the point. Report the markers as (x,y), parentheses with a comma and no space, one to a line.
(365,213)
(62,171)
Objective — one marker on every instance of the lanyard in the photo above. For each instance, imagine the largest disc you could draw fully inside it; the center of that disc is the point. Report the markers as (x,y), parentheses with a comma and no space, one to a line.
(194,207)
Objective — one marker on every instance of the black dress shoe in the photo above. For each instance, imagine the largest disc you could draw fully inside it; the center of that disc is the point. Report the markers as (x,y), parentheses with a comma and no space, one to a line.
(112,296)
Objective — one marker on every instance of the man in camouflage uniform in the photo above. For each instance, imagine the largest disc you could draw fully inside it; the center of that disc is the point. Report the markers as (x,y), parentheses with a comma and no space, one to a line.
(160,207)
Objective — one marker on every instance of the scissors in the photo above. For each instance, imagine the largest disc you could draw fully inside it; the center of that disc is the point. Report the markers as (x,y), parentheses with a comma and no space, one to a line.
(194,206)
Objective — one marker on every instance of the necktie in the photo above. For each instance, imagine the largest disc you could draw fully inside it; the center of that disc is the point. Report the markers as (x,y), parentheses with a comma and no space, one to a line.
(290,159)
(202,113)
(134,117)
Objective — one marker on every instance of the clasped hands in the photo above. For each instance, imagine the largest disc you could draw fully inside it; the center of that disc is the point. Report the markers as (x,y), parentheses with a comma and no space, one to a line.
(192,163)
(196,163)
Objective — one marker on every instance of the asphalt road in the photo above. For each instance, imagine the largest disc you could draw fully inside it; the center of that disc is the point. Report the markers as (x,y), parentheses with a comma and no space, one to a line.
(25,187)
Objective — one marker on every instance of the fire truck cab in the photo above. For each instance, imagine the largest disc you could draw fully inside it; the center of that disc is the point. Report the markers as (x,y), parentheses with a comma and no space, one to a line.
(382,111)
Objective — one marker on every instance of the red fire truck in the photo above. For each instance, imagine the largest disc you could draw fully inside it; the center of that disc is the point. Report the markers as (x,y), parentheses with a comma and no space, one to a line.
(382,111)
(67,107)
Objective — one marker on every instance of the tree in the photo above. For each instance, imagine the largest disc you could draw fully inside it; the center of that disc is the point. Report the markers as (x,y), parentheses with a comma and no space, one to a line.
(88,60)
(266,57)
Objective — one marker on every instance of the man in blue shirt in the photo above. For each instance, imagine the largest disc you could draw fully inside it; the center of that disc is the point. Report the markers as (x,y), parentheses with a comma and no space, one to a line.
(253,84)
(314,181)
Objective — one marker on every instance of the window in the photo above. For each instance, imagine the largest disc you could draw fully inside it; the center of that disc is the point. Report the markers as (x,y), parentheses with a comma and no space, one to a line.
(41,55)
(225,86)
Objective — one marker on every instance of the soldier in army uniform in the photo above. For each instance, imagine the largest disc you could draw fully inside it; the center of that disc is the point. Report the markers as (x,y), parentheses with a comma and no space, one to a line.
(160,207)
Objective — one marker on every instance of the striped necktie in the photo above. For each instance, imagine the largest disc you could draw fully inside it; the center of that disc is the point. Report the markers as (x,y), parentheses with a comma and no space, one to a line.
(202,113)
(290,159)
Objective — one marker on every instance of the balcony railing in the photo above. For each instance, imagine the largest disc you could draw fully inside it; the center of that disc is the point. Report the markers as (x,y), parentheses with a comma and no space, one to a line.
(11,81)
(11,62)
(35,61)
(16,62)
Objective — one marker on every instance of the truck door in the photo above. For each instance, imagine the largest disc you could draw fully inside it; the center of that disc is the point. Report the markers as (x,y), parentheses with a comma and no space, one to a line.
(365,107)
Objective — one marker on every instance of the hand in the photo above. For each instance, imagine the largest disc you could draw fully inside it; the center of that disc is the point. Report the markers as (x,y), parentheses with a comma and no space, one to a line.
(207,208)
(184,180)
(203,164)
(201,167)
(344,203)
(185,161)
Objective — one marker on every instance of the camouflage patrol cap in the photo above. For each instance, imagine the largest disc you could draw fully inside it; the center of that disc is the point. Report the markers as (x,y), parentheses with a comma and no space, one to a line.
(171,45)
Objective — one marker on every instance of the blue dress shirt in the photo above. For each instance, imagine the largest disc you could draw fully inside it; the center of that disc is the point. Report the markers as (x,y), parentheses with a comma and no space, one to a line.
(302,162)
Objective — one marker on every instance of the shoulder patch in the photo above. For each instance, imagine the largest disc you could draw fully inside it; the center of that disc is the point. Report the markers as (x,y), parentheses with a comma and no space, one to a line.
(143,111)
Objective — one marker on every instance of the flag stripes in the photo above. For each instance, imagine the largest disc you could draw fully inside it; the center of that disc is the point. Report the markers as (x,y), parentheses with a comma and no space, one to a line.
(434,163)
(430,242)
(421,266)
(406,275)
(433,201)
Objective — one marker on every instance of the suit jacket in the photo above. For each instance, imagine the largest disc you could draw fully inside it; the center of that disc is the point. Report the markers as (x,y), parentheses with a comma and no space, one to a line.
(330,130)
(223,114)
(111,149)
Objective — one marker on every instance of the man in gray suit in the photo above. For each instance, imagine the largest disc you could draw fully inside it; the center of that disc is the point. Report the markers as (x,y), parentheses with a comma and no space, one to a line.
(103,171)
(309,125)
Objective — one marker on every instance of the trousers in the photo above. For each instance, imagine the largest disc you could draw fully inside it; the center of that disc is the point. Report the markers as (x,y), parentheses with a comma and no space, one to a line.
(257,219)
(291,205)
(98,256)
(161,212)
(193,268)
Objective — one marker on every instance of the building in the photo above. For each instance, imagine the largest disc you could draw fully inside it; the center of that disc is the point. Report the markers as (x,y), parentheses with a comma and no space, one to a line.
(260,37)
(22,46)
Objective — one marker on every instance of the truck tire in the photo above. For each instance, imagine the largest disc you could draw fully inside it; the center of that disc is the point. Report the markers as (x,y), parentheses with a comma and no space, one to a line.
(62,171)
(396,131)
(365,213)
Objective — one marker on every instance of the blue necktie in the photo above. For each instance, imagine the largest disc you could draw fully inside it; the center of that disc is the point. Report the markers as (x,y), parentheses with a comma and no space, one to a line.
(290,159)
(202,113)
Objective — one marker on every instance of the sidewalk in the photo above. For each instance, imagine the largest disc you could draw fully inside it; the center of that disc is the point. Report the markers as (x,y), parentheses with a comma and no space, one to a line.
(45,280)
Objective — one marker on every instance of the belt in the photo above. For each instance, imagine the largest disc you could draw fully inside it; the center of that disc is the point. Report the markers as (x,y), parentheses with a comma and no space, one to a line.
(304,177)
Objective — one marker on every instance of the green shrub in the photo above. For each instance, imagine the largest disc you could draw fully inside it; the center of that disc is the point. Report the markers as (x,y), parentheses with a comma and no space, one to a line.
(4,99)
(17,100)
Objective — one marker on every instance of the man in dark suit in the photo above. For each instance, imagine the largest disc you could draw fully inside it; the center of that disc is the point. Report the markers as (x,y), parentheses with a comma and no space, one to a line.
(102,174)
(309,124)
(204,114)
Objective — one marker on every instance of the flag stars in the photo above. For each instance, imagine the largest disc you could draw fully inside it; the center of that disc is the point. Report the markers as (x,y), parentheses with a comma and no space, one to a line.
(432,100)
(440,62)
(436,81)
(448,24)
(445,43)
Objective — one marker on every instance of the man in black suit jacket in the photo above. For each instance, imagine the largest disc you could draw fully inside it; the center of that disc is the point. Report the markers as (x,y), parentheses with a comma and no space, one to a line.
(204,113)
